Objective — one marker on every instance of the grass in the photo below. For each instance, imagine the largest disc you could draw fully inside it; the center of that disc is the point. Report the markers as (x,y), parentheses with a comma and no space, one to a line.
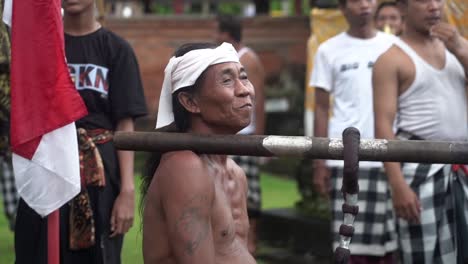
(276,193)
(7,255)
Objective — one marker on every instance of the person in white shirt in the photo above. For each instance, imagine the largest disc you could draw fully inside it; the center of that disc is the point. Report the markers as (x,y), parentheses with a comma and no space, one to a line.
(343,70)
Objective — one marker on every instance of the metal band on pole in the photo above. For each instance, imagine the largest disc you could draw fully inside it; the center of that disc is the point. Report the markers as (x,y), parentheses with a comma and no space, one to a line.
(308,147)
(350,189)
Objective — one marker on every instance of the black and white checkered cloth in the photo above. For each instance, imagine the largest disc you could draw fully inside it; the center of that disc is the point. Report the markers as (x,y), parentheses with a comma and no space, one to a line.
(374,226)
(254,196)
(434,239)
(7,186)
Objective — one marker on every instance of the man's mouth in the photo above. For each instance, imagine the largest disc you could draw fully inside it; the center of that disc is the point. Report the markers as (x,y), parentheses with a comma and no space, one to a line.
(433,19)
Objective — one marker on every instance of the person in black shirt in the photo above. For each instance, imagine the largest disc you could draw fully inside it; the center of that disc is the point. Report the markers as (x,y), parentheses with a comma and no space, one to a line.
(105,72)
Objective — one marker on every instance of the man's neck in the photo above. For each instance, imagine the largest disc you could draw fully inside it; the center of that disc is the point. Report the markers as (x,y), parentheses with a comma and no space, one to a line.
(218,159)
(414,36)
(80,24)
(363,32)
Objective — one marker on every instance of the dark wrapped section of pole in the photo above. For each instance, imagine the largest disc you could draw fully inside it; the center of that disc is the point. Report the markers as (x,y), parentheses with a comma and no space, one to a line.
(350,189)
(306,147)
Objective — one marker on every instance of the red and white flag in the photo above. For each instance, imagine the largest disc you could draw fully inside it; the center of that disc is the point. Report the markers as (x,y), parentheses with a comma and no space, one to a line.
(44,106)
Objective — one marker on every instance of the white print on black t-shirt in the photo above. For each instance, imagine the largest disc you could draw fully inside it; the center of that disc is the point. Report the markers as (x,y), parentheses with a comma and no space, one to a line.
(89,76)
(354,66)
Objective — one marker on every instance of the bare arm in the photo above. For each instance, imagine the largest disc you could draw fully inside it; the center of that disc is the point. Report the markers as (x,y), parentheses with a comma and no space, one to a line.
(321,114)
(124,205)
(187,199)
(256,74)
(454,42)
(385,84)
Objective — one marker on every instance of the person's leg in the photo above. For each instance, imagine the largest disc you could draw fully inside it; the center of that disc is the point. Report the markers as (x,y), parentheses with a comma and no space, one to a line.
(376,220)
(460,220)
(111,247)
(8,190)
(433,239)
(30,236)
(106,250)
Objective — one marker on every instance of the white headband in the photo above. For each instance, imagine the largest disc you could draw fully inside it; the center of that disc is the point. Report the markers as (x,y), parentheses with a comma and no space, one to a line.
(184,71)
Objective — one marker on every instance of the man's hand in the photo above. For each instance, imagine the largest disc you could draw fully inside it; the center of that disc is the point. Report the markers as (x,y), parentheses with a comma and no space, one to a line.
(321,180)
(122,213)
(450,36)
(406,203)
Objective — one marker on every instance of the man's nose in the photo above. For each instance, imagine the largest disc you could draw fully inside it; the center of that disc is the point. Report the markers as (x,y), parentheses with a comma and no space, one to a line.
(244,88)
(364,4)
(434,4)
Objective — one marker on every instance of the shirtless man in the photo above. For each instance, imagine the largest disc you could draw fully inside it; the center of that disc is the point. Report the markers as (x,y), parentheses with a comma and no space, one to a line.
(195,206)
(230,30)
(421,81)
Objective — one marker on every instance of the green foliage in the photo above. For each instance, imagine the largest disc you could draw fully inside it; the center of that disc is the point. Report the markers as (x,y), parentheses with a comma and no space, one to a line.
(278,192)
(162,8)
(229,8)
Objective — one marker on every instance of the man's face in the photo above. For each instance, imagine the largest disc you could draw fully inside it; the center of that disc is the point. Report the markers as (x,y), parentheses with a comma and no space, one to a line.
(225,98)
(421,15)
(389,16)
(359,12)
(74,7)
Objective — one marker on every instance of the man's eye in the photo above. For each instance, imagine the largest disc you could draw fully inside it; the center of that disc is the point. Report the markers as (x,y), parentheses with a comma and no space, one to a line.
(226,80)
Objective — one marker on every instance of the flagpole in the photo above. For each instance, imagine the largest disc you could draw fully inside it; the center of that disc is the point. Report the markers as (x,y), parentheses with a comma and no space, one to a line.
(53,237)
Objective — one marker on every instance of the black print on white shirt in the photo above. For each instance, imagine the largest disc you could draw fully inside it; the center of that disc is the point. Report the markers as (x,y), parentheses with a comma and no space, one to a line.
(349,66)
(90,76)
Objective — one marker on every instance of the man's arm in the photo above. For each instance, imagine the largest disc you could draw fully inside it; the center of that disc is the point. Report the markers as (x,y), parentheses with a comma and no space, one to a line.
(124,206)
(454,42)
(321,114)
(385,84)
(256,75)
(187,199)
(322,80)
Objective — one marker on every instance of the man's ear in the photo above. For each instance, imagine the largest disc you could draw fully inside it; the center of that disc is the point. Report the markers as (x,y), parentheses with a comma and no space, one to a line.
(188,102)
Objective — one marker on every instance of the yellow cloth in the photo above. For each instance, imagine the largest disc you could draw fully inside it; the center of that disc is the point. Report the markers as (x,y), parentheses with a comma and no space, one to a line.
(324,24)
(456,12)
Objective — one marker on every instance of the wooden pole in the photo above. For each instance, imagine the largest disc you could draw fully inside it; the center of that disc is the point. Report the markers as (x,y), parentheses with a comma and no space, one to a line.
(307,147)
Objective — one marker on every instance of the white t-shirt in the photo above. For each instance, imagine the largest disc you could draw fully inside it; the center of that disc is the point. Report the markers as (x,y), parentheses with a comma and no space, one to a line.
(343,67)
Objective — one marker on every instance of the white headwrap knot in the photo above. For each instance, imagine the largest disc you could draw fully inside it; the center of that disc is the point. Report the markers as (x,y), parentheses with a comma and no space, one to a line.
(184,71)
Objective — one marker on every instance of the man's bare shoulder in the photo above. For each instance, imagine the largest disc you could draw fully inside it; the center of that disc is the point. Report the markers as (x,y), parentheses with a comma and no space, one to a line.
(394,63)
(391,57)
(181,167)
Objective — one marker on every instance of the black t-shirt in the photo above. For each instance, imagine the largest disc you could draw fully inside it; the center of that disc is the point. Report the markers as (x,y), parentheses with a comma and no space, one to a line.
(106,74)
